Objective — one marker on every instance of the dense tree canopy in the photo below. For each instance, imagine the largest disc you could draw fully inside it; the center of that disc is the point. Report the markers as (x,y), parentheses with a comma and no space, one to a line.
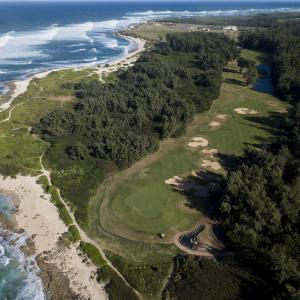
(122,121)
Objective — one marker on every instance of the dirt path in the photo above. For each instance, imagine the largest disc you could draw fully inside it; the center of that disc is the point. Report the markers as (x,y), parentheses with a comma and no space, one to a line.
(11,110)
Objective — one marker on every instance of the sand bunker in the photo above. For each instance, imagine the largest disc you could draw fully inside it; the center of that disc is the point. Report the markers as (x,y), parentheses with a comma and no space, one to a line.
(198,141)
(211,164)
(222,117)
(184,185)
(245,111)
(214,124)
(210,152)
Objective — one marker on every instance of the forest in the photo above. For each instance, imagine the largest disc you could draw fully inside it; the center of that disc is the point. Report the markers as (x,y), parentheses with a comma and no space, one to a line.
(265,20)
(113,124)
(260,207)
(284,43)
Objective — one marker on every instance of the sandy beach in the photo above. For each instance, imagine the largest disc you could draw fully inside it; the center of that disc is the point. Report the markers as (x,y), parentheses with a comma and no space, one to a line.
(40,220)
(39,217)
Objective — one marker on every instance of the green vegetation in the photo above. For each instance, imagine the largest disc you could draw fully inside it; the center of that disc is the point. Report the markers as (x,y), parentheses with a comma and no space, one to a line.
(153,104)
(44,182)
(63,213)
(121,122)
(115,286)
(149,280)
(74,235)
(93,254)
(71,236)
(284,42)
(200,278)
(20,151)
(262,219)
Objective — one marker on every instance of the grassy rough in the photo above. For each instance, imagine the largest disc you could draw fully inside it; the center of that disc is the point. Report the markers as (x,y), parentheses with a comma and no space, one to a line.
(44,182)
(149,280)
(115,287)
(74,235)
(63,213)
(93,254)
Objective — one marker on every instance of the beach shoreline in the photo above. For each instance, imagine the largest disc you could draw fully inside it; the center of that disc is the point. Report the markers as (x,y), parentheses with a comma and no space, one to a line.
(39,218)
(60,265)
(19,87)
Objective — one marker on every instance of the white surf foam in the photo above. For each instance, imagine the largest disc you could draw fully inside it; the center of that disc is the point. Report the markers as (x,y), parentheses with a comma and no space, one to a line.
(78,50)
(15,262)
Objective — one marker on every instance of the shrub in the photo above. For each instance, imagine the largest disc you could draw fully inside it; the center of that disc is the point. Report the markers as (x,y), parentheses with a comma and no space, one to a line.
(93,254)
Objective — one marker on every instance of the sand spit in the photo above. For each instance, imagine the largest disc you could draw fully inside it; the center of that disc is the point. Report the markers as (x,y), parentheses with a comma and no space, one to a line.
(211,164)
(198,142)
(245,111)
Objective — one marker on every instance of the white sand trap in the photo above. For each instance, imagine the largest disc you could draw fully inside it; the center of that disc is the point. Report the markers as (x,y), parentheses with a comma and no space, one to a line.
(222,117)
(214,124)
(183,185)
(245,111)
(198,141)
(174,180)
(210,152)
(211,164)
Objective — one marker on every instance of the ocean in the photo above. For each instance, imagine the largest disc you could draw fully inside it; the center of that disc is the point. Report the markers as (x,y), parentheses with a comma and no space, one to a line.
(35,37)
(43,36)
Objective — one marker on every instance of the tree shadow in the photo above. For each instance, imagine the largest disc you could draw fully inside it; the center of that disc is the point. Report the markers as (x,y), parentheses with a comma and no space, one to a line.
(228,70)
(273,124)
(206,186)
(273,121)
(235,81)
(229,162)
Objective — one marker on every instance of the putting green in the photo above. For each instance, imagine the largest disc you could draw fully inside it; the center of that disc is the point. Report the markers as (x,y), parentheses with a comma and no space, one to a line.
(146,204)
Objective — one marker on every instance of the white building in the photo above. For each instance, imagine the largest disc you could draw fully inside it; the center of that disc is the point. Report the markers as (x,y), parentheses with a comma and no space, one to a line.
(230,28)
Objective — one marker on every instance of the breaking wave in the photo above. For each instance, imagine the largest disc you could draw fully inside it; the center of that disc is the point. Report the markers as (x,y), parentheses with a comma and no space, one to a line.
(18,274)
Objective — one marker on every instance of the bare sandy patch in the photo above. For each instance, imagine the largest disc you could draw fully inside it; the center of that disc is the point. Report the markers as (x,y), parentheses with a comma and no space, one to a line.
(198,142)
(222,117)
(63,98)
(211,164)
(245,111)
(82,275)
(210,152)
(214,124)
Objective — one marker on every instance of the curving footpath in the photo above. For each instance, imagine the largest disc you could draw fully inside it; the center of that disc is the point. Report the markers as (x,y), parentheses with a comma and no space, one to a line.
(84,236)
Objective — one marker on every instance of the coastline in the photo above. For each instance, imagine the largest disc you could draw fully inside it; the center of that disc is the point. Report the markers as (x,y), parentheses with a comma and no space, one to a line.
(60,266)
(17,88)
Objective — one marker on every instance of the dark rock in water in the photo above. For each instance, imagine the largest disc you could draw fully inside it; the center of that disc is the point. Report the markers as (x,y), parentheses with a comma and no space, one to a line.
(29,249)
(56,284)
(5,223)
